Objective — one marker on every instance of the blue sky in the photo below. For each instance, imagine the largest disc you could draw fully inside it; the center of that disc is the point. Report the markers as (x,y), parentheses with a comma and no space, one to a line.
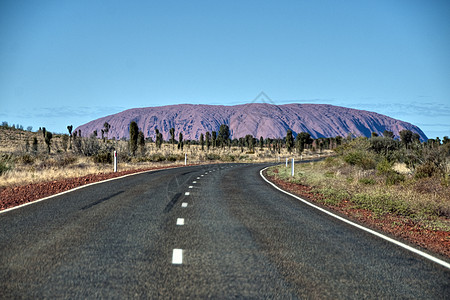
(69,62)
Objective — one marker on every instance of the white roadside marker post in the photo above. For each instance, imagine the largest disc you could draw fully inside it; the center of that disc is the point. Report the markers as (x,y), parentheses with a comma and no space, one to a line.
(292,173)
(115,161)
(286,162)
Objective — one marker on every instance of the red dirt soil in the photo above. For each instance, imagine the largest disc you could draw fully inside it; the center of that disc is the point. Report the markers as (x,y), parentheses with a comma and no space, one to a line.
(436,241)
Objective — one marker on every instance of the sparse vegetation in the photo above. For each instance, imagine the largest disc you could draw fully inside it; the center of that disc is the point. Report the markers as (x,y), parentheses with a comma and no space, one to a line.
(72,155)
(404,178)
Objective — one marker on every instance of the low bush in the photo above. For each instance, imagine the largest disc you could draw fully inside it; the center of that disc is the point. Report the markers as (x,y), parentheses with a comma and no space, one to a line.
(172,157)
(212,156)
(103,158)
(4,167)
(384,167)
(425,170)
(360,159)
(26,159)
(394,178)
(228,158)
(381,204)
(367,181)
(157,157)
(331,195)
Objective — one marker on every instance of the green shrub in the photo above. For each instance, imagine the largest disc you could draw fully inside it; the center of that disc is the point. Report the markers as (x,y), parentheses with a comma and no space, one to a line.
(425,170)
(4,167)
(103,158)
(157,157)
(171,157)
(394,178)
(381,204)
(367,181)
(212,156)
(228,158)
(384,167)
(361,159)
(332,196)
(26,159)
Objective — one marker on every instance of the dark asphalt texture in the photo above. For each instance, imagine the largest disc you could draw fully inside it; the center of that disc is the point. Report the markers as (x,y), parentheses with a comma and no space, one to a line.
(241,239)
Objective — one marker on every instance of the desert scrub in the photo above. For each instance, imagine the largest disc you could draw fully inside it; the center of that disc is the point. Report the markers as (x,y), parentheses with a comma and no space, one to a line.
(423,200)
(331,195)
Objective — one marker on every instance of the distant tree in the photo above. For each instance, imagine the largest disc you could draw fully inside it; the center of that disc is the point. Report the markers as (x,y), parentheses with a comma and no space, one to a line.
(249,140)
(261,143)
(302,139)
(445,140)
(27,145)
(180,141)
(388,134)
(208,140)
(106,128)
(159,140)
(416,138)
(134,131)
(289,140)
(48,139)
(214,139)
(202,142)
(30,128)
(65,140)
(69,128)
(374,134)
(172,136)
(224,135)
(95,133)
(141,142)
(406,137)
(79,132)
(44,132)
(35,145)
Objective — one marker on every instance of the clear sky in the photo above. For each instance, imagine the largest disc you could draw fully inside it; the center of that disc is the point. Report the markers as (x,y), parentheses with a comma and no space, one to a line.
(69,62)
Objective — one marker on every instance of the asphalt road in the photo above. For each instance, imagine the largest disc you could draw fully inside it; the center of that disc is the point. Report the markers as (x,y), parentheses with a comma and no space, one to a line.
(238,238)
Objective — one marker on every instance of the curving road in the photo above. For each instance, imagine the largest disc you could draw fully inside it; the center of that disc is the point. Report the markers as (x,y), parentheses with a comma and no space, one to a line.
(217,231)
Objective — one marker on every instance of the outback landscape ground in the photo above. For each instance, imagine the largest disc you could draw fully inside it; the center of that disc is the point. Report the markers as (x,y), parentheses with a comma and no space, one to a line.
(395,188)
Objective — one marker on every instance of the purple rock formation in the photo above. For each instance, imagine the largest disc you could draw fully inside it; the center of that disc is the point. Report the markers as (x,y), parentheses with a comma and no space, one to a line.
(257,119)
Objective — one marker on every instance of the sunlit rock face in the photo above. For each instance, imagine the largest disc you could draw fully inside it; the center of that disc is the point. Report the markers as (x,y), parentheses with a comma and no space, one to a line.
(257,119)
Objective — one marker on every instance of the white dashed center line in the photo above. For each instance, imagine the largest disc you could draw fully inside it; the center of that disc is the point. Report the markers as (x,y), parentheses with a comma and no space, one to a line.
(194,181)
(198,177)
(180,221)
(186,194)
(177,256)
(202,175)
(184,204)
(191,187)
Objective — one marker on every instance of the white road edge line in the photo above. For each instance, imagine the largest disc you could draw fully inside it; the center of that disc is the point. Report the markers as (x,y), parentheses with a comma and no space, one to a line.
(177,256)
(180,221)
(409,248)
(79,188)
